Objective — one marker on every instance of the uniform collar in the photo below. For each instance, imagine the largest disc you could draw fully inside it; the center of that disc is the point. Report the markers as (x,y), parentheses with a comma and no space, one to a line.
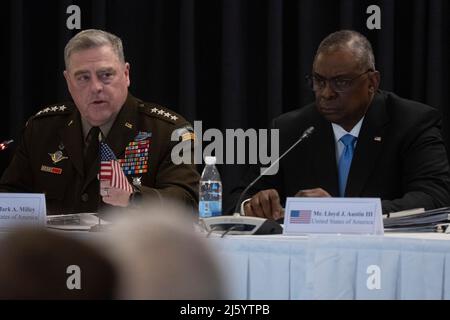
(123,129)
(105,128)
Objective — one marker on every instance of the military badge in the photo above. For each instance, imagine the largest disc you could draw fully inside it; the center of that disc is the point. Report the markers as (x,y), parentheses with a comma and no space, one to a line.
(51,169)
(57,156)
(188,136)
(128,125)
(137,181)
(136,155)
(142,135)
(185,133)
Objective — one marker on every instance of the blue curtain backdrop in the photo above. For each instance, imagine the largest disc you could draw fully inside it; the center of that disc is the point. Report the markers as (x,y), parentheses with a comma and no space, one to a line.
(229,63)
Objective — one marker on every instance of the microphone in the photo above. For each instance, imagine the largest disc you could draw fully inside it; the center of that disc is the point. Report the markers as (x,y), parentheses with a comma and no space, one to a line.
(305,135)
(5,144)
(239,224)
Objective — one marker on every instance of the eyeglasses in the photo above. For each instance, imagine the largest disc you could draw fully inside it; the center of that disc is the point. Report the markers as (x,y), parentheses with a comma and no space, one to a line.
(337,84)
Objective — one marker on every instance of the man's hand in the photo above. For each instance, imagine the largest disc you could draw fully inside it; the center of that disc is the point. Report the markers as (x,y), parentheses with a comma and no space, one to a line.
(317,193)
(114,196)
(265,204)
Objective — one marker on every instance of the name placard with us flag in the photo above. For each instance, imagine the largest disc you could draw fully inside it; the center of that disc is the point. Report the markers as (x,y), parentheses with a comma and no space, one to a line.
(333,215)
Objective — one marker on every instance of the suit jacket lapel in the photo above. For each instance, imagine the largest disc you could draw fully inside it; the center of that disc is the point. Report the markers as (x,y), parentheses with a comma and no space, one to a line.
(122,132)
(71,137)
(369,146)
(324,160)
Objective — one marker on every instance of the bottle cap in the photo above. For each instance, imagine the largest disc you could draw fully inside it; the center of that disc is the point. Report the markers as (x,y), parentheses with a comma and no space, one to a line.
(210,160)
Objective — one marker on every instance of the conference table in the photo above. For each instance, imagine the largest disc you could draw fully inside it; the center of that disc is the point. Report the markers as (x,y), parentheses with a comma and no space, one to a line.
(279,267)
(393,266)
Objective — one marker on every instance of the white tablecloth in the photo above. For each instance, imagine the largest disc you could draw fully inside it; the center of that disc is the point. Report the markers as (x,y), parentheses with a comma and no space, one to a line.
(411,266)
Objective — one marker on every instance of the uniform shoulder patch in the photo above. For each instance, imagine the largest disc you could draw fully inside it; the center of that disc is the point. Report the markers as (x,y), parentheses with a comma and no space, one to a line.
(56,109)
(160,112)
(185,133)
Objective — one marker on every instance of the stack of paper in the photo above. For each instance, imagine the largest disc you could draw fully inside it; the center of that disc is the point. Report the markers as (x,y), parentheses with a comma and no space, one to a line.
(420,220)
(78,221)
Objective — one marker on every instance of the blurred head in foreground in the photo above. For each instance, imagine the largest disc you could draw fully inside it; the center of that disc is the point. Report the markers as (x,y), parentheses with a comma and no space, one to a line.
(42,264)
(160,256)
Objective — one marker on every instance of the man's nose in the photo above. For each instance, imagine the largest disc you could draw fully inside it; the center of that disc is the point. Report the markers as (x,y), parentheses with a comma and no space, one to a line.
(96,85)
(328,92)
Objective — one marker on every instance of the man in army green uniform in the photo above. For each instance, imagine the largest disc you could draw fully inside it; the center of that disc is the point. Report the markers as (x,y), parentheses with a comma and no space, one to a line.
(59,152)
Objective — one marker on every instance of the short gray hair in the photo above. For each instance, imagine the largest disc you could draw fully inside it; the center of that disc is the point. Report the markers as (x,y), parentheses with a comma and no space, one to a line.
(353,40)
(93,38)
(186,267)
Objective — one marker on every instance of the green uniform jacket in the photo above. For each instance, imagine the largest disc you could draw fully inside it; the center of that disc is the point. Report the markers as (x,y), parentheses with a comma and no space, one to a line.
(67,188)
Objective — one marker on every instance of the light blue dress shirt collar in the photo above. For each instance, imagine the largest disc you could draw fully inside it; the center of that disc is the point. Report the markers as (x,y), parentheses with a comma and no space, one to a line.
(339,132)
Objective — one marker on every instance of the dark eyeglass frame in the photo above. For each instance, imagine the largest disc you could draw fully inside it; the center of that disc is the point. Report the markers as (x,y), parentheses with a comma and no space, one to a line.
(312,79)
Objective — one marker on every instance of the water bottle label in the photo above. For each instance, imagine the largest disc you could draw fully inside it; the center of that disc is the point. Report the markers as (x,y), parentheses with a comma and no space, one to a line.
(210,208)
(211,190)
(210,199)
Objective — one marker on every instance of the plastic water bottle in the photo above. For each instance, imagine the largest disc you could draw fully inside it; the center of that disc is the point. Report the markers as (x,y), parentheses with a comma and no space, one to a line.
(210,204)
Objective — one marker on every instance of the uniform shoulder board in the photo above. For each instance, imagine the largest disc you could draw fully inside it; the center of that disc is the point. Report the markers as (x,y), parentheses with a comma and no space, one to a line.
(160,112)
(56,109)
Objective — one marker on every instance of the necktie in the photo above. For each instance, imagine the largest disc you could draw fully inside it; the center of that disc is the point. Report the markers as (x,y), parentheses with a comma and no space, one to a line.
(345,161)
(91,151)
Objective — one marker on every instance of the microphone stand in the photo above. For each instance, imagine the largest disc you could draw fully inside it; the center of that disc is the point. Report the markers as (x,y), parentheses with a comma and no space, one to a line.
(305,135)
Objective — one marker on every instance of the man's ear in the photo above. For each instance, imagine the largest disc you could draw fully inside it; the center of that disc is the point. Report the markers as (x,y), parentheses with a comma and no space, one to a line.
(67,77)
(127,73)
(374,80)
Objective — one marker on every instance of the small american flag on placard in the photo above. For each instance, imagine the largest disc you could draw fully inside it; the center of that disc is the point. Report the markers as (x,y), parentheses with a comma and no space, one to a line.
(111,170)
(300,216)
